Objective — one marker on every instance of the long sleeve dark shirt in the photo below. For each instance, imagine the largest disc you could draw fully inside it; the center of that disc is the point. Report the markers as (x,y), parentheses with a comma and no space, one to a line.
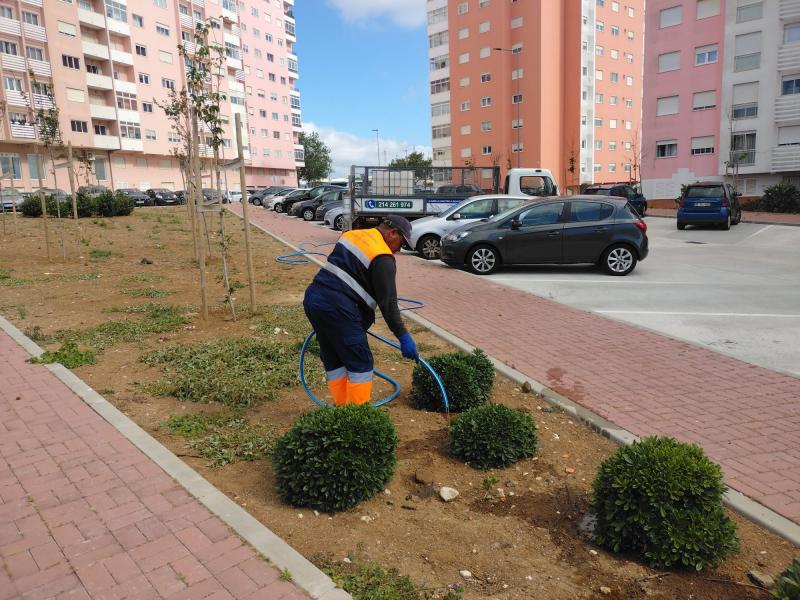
(382,272)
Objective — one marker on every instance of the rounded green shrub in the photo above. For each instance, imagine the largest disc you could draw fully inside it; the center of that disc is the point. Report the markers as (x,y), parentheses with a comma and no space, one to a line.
(31,207)
(662,499)
(787,585)
(56,208)
(468,379)
(111,204)
(86,205)
(334,457)
(782,197)
(492,436)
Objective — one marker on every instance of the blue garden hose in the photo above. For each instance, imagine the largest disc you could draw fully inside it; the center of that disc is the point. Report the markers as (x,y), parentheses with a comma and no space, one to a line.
(297,258)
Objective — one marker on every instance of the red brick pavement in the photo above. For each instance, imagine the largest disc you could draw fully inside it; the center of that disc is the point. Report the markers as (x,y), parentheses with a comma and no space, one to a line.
(748,216)
(85,514)
(747,418)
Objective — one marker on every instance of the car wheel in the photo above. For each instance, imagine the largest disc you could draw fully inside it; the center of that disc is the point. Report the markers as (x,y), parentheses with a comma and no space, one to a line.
(338,223)
(644,209)
(681,226)
(738,217)
(279,208)
(308,215)
(619,260)
(727,224)
(257,201)
(430,246)
(483,260)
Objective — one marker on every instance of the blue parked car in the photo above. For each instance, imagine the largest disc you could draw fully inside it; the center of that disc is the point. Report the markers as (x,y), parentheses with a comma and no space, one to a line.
(620,190)
(709,203)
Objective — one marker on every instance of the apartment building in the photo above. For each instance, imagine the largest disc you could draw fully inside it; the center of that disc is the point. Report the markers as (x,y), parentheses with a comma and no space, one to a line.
(722,94)
(537,83)
(108,64)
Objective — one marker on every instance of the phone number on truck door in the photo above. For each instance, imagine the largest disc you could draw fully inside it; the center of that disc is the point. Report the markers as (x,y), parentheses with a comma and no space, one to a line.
(379,204)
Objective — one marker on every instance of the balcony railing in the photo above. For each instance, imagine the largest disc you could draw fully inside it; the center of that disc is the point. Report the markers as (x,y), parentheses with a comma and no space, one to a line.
(43,101)
(9,26)
(23,130)
(35,32)
(13,62)
(785,158)
(789,9)
(16,98)
(787,108)
(40,67)
(788,57)
(743,157)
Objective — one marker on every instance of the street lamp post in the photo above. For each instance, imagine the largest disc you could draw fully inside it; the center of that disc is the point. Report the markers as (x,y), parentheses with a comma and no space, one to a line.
(519,99)
(378,141)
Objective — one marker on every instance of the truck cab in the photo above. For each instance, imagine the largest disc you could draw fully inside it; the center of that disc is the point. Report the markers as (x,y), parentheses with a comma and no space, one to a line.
(530,182)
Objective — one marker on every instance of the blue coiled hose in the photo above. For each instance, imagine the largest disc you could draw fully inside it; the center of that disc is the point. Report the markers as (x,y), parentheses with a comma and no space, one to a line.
(298,258)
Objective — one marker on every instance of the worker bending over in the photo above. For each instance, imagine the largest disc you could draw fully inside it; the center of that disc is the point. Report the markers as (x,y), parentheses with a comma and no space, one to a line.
(340,303)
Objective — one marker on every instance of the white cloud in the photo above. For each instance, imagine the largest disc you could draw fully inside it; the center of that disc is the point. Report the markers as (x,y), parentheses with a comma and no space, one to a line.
(406,13)
(350,149)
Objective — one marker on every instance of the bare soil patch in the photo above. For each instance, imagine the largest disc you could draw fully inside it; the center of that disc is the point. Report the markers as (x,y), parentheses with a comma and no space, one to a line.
(514,529)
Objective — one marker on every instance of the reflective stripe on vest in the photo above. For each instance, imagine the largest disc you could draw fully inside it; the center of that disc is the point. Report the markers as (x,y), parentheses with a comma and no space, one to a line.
(363,245)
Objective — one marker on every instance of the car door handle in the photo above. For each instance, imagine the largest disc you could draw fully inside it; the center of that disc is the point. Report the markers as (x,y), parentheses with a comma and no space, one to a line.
(601,228)
(554,233)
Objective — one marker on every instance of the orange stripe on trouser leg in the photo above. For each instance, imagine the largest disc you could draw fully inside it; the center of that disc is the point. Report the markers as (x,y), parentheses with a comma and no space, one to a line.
(338,388)
(359,393)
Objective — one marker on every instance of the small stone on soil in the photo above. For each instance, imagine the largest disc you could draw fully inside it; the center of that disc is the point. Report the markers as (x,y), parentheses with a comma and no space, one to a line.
(366,518)
(465,574)
(526,387)
(762,580)
(593,552)
(448,494)
(605,590)
(346,560)
(146,261)
(569,470)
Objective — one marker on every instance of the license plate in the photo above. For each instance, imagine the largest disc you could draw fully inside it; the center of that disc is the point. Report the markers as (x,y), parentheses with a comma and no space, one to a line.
(702,203)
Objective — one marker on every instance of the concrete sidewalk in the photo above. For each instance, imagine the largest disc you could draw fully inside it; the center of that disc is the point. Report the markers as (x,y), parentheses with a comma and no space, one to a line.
(84,513)
(748,216)
(747,418)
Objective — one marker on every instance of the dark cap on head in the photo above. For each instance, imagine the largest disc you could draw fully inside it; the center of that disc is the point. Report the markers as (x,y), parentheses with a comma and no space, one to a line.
(401,224)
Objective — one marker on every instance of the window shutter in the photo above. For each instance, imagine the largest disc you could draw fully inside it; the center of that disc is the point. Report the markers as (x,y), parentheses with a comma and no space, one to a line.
(704,99)
(706,141)
(669,61)
(745,93)
(667,106)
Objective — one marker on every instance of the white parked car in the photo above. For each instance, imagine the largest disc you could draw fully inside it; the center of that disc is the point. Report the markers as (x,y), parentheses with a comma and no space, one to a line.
(427,232)
(334,218)
(277,203)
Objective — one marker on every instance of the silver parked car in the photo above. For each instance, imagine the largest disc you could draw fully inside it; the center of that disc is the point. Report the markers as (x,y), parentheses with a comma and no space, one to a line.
(427,233)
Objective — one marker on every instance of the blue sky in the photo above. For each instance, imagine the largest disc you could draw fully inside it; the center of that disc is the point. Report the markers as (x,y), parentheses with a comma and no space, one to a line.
(363,65)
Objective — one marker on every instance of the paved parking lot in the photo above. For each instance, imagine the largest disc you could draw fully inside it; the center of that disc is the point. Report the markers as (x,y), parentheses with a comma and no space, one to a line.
(736,292)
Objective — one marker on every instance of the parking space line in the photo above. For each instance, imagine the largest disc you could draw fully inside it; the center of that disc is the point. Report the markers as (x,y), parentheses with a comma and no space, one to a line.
(614,280)
(695,314)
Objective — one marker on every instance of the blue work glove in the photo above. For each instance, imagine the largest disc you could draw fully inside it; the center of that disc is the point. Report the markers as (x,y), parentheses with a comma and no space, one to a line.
(408,347)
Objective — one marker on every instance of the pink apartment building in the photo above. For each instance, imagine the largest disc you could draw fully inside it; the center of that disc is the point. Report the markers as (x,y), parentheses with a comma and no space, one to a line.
(536,84)
(108,63)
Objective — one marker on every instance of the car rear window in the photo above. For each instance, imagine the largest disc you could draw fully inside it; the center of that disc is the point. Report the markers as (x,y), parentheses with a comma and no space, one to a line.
(582,212)
(697,191)
(596,192)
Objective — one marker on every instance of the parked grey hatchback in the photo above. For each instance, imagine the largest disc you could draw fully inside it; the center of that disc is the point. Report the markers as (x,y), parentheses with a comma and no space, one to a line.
(603,230)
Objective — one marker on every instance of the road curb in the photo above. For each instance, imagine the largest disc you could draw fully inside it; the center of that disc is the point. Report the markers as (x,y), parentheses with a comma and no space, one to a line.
(747,507)
(304,574)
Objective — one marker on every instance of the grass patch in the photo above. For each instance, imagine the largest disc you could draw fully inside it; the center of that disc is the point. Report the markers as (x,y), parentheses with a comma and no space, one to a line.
(143,278)
(72,277)
(367,580)
(101,254)
(278,318)
(223,438)
(236,372)
(35,333)
(68,355)
(133,309)
(7,279)
(157,319)
(286,575)
(146,292)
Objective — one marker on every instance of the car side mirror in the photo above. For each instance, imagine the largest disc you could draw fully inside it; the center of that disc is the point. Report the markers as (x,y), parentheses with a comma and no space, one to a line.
(515,224)
(455,216)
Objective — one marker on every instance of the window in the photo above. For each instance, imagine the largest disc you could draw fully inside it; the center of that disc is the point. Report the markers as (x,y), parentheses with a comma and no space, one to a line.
(599,25)
(670,17)
(598,75)
(440,131)
(30,18)
(547,214)
(463,33)
(705,55)
(116,11)
(598,122)
(436,39)
(144,78)
(628,80)
(463,58)
(463,82)
(667,149)
(615,6)
(612,167)
(150,134)
(440,85)
(614,53)
(485,52)
(703,145)
(162,29)
(168,83)
(614,77)
(465,105)
(138,21)
(747,51)
(486,125)
(165,57)
(516,99)
(789,136)
(516,23)
(437,15)
(484,27)
(612,100)
(486,101)
(629,58)
(6,12)
(486,77)
(612,123)
(517,123)
(478,209)
(704,100)
(8,48)
(628,102)
(147,107)
(743,148)
(707,8)
(160,3)
(126,101)
(10,164)
(516,74)
(439,109)
(667,106)
(612,145)
(12,84)
(79,126)
(789,85)
(791,33)
(67,29)
(466,152)
(436,63)
(486,150)
(598,144)
(598,98)
(463,7)
(130,131)
(749,12)
(465,129)
(598,50)
(614,30)
(71,62)
(670,61)
(34,53)
(141,50)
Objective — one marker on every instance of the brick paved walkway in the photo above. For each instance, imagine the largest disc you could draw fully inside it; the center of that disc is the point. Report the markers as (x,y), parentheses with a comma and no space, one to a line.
(85,514)
(747,418)
(748,216)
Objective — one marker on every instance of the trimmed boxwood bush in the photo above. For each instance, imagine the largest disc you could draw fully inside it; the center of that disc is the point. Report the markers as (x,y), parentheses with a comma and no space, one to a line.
(468,379)
(782,197)
(787,585)
(106,205)
(334,457)
(662,499)
(492,436)
(114,205)
(31,207)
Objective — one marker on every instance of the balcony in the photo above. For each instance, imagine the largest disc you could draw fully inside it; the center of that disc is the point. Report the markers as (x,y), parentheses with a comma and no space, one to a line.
(119,27)
(95,50)
(98,82)
(43,101)
(91,19)
(125,86)
(101,111)
(787,108)
(15,98)
(23,130)
(789,10)
(234,63)
(9,26)
(40,67)
(119,56)
(788,57)
(129,116)
(186,21)
(13,62)
(785,158)
(235,86)
(132,144)
(35,32)
(106,142)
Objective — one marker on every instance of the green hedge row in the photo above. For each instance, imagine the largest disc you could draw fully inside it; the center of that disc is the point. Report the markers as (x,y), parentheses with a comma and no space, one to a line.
(107,204)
